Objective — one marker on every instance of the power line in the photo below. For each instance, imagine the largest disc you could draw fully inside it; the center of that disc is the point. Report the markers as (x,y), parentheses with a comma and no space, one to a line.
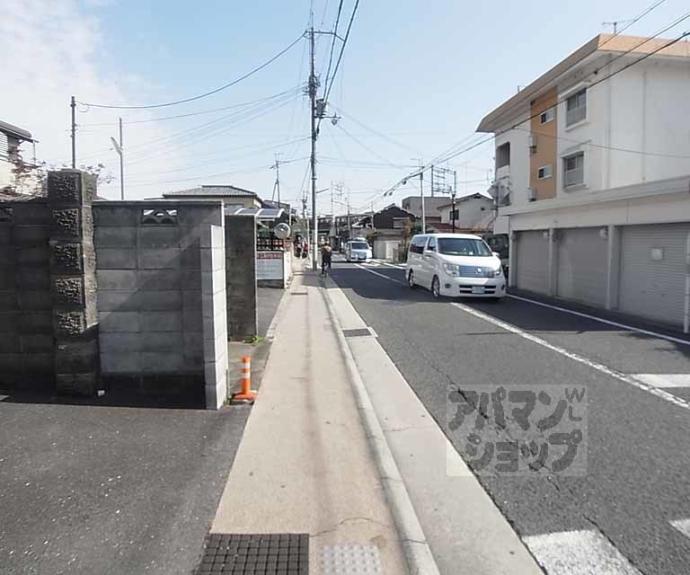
(634,21)
(560,101)
(445,157)
(333,38)
(199,113)
(327,90)
(605,147)
(205,94)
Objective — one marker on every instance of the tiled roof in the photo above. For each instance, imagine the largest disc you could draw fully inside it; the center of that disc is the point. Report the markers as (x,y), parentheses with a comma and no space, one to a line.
(212,191)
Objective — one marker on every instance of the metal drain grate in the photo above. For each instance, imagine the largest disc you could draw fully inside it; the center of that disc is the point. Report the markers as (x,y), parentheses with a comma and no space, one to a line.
(256,554)
(359,332)
(298,293)
(350,560)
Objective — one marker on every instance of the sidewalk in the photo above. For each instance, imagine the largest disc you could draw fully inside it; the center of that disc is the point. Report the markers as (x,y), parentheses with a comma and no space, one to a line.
(304,464)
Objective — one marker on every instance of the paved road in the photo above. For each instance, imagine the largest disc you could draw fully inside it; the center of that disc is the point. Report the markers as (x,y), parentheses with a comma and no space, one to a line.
(637,479)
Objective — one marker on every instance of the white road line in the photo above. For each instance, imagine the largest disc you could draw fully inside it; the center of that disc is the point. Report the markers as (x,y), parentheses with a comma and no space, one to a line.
(664,379)
(360,266)
(396,266)
(682,525)
(660,393)
(577,553)
(602,320)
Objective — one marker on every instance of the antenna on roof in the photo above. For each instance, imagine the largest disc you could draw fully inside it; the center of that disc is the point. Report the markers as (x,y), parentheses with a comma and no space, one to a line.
(615,23)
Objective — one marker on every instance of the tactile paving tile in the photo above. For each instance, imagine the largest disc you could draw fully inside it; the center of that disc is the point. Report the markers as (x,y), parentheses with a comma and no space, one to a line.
(350,559)
(256,554)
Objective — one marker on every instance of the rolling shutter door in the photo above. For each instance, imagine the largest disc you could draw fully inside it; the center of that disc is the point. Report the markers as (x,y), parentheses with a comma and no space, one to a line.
(582,265)
(652,274)
(533,261)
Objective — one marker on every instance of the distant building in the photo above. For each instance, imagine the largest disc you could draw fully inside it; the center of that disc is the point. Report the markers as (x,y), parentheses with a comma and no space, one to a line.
(231,195)
(474,212)
(390,228)
(11,138)
(592,177)
(413,204)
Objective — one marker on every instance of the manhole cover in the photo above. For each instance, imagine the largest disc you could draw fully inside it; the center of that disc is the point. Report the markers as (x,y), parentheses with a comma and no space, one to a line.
(256,554)
(350,560)
(357,332)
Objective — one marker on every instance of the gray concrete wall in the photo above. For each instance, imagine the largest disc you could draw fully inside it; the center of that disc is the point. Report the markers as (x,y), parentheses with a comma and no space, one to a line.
(26,323)
(214,305)
(240,265)
(149,274)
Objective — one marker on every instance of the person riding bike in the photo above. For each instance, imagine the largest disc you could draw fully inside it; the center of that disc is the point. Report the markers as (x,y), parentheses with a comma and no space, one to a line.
(326,254)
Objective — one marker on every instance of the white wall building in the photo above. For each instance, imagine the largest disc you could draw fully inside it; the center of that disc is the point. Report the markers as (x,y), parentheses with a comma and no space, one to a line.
(472,212)
(11,138)
(593,175)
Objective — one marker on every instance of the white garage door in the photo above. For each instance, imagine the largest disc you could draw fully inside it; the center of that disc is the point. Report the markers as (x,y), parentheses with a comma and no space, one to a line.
(582,265)
(652,276)
(533,261)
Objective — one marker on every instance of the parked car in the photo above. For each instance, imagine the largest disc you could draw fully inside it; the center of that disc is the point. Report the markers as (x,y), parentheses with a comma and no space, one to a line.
(358,251)
(455,265)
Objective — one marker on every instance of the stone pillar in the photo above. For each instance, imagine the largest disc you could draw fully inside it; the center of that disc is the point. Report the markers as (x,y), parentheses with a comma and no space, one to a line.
(240,251)
(73,281)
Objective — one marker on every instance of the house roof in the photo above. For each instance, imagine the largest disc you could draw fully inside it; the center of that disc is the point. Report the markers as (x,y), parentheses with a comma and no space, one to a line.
(15,131)
(212,191)
(482,194)
(601,44)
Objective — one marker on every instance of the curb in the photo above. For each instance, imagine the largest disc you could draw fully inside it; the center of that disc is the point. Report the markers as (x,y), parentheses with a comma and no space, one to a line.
(420,560)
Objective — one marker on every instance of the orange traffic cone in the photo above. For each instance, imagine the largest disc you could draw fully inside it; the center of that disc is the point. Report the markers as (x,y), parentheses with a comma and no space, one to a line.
(246,393)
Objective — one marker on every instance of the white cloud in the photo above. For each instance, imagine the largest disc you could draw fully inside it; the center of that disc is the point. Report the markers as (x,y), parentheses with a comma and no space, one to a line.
(49,50)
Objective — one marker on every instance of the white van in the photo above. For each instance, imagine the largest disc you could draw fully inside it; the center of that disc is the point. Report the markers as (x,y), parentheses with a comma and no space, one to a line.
(455,265)
(358,250)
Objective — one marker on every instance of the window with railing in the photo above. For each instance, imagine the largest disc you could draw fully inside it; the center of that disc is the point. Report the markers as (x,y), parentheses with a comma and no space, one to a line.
(576,107)
(503,155)
(574,170)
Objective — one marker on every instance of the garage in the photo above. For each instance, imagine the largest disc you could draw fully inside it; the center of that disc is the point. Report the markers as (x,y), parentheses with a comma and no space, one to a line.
(582,263)
(652,272)
(532,272)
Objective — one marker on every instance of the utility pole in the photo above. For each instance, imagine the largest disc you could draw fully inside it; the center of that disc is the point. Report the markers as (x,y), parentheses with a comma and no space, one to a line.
(421,193)
(73,105)
(313,86)
(118,148)
(276,186)
(452,201)
(122,164)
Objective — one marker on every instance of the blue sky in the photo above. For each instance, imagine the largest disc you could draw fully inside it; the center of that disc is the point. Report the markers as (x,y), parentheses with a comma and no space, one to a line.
(416,79)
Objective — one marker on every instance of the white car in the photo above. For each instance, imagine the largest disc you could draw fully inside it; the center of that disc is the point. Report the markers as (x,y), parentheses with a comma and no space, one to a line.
(358,251)
(455,265)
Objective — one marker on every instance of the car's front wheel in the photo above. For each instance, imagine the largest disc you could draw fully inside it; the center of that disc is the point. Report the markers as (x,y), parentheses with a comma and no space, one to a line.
(436,288)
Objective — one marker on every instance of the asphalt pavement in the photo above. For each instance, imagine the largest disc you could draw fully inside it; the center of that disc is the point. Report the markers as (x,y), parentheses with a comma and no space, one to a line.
(110,490)
(630,506)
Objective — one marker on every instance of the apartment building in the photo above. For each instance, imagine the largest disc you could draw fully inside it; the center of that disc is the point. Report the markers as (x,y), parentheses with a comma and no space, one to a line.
(593,178)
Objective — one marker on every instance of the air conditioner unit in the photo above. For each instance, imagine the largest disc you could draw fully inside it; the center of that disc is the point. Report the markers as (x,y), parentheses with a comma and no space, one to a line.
(531,194)
(532,139)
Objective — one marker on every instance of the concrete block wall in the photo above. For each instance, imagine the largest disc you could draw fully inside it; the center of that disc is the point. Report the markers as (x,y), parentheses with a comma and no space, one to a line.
(26,306)
(240,265)
(149,273)
(214,305)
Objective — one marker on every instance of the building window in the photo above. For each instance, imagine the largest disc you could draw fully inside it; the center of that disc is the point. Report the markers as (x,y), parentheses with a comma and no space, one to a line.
(547,116)
(503,155)
(574,170)
(544,172)
(576,107)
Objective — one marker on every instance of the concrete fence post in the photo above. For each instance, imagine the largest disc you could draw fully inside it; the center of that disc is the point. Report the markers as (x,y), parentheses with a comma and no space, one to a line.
(73,281)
